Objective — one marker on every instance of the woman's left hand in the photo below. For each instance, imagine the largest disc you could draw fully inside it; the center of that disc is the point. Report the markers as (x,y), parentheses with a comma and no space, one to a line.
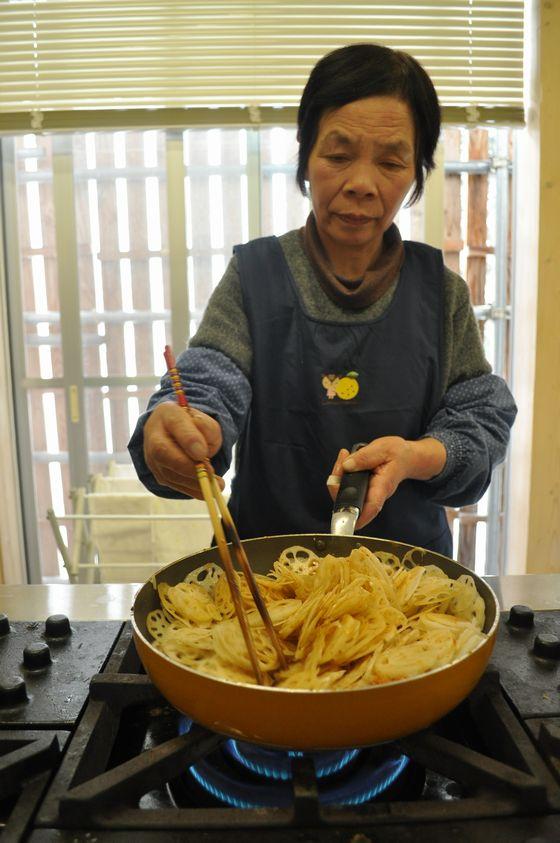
(391,459)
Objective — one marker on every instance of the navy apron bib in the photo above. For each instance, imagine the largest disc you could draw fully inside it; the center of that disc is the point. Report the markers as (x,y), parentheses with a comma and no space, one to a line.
(321,386)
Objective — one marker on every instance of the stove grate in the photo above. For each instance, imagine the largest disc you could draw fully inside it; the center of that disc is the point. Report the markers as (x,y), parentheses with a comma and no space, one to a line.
(496,773)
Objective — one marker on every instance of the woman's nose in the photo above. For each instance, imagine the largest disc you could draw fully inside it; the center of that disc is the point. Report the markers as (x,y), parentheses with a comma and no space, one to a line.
(362,180)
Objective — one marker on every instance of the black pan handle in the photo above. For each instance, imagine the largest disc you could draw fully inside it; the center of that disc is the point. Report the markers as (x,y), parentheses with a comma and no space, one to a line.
(353,486)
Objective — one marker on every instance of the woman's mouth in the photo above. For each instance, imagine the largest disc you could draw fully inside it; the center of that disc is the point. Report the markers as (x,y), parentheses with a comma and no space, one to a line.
(355,219)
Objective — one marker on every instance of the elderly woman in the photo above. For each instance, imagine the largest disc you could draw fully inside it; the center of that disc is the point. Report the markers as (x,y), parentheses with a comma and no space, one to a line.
(337,333)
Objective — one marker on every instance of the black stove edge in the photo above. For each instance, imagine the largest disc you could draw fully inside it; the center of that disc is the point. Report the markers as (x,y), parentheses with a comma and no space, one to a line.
(86,789)
(513,830)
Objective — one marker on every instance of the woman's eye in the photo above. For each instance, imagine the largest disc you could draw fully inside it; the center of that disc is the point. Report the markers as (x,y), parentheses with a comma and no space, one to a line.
(337,158)
(392,165)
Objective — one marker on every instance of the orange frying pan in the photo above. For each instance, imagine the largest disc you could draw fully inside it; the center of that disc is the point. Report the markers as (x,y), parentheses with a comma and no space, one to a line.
(311,720)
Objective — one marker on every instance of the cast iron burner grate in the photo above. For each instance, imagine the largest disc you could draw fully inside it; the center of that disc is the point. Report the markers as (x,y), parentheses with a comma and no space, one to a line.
(484,776)
(27,761)
(245,775)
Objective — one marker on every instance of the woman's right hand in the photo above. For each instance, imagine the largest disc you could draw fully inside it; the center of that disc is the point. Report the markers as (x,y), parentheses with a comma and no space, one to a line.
(174,440)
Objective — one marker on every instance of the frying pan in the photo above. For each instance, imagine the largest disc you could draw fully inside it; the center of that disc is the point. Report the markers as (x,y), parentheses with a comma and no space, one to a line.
(311,720)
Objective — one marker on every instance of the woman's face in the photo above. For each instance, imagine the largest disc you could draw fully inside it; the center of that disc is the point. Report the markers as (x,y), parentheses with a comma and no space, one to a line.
(360,170)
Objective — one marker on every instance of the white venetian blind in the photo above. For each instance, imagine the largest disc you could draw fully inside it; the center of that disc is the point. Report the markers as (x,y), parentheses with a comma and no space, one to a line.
(83,55)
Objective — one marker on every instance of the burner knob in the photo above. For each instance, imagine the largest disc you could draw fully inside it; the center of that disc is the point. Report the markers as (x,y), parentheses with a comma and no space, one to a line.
(4,624)
(57,626)
(547,646)
(12,691)
(521,616)
(36,655)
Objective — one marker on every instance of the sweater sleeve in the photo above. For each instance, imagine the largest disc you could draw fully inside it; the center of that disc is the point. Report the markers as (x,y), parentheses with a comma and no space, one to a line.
(473,422)
(216,386)
(476,411)
(215,372)
(463,354)
(224,326)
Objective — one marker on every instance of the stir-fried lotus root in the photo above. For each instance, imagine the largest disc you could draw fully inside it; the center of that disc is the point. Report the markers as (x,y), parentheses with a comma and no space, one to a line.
(344,622)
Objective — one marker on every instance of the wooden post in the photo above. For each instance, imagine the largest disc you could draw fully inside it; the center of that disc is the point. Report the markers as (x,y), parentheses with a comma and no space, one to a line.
(452,238)
(110,256)
(477,231)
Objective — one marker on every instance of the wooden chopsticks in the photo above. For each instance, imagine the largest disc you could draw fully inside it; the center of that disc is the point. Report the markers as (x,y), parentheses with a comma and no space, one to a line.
(217,507)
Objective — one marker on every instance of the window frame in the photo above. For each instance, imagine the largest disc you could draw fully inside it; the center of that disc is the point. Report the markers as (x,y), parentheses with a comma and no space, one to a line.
(74,381)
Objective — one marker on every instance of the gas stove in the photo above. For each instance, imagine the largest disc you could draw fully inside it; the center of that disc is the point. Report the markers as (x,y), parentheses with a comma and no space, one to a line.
(90,751)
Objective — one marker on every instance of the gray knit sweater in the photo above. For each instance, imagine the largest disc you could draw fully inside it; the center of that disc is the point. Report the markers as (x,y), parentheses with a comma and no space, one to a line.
(473,420)
(224,326)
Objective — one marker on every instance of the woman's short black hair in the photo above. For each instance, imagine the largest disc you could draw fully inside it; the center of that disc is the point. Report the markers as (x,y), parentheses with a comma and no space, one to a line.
(369,70)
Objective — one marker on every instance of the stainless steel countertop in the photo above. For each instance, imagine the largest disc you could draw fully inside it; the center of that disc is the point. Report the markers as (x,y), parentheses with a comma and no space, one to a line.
(78,602)
(113,602)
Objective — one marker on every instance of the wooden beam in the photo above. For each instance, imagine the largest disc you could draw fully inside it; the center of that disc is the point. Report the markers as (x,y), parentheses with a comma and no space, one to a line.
(534,525)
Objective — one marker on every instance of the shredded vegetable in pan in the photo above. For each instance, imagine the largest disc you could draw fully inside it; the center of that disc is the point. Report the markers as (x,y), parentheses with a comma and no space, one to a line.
(344,622)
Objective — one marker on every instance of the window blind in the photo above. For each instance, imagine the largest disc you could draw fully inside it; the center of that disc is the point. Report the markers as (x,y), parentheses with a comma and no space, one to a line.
(64,60)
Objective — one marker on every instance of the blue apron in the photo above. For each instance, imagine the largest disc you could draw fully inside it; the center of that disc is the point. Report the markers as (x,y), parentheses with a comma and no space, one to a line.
(321,386)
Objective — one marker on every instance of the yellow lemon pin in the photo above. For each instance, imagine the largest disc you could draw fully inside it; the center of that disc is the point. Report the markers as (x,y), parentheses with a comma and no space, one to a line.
(348,386)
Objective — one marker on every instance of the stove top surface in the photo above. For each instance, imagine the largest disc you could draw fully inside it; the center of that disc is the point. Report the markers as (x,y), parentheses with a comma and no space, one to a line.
(47,667)
(110,759)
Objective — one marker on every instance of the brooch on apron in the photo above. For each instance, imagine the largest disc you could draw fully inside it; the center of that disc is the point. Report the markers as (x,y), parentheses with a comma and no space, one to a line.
(345,387)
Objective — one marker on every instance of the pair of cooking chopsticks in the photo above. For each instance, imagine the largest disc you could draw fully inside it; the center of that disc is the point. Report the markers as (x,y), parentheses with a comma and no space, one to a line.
(215,504)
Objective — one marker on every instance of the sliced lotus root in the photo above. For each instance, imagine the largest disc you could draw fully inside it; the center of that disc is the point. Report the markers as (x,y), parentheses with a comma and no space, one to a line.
(206,576)
(158,624)
(300,560)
